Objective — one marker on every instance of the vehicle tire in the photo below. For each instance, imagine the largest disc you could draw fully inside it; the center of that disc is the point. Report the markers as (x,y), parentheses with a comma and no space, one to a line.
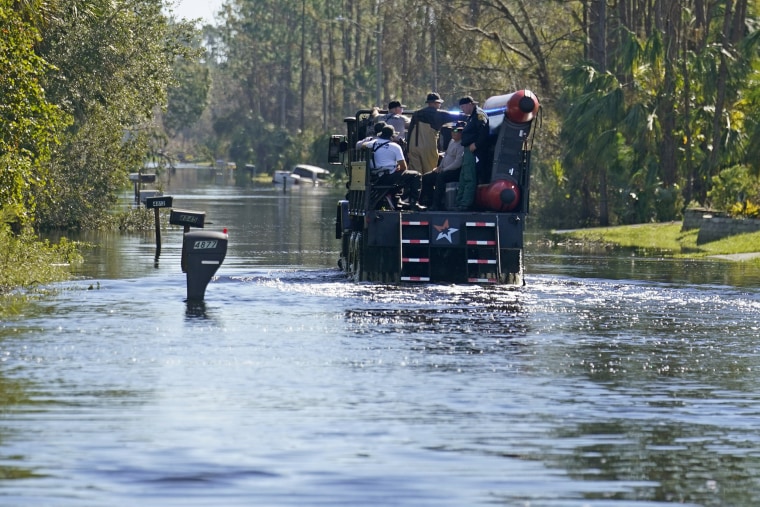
(358,258)
(351,252)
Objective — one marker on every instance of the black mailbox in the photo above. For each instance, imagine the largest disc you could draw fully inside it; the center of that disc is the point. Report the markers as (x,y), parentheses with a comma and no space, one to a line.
(142,178)
(164,201)
(205,252)
(187,218)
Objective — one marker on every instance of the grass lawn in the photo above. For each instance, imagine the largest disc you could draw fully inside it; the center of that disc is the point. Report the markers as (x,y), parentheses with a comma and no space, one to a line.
(661,239)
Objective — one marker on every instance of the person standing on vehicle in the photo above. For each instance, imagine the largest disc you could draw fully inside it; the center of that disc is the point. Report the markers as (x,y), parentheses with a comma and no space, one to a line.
(395,118)
(388,167)
(475,140)
(422,137)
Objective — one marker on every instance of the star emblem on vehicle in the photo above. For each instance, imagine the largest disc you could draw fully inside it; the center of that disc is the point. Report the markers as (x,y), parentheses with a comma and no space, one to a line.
(444,231)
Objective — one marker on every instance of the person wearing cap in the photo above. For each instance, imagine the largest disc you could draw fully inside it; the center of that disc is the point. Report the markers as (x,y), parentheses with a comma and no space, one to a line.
(422,136)
(395,118)
(377,128)
(388,167)
(475,140)
(447,171)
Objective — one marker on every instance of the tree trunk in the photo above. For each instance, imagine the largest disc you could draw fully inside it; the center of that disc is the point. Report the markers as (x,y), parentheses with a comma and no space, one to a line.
(689,169)
(720,99)
(597,34)
(666,109)
(604,209)
(304,66)
(598,54)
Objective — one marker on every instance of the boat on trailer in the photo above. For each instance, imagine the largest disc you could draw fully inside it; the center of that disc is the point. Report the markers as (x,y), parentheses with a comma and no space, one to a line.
(380,243)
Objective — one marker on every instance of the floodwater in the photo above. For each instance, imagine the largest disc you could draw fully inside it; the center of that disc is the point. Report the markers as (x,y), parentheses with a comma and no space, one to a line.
(608,380)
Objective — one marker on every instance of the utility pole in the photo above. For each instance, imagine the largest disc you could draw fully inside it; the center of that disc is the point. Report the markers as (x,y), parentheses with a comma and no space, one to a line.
(379,37)
(303,61)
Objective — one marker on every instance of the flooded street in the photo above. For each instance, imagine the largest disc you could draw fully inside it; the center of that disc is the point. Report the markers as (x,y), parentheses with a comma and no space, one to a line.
(606,380)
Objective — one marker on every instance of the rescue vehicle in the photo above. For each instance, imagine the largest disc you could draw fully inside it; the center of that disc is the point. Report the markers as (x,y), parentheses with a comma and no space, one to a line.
(380,243)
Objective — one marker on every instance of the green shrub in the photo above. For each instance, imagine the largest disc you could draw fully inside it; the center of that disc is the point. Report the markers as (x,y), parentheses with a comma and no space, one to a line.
(27,261)
(745,209)
(735,190)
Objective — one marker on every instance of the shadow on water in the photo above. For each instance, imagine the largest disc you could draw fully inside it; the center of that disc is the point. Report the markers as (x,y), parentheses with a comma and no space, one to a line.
(196,310)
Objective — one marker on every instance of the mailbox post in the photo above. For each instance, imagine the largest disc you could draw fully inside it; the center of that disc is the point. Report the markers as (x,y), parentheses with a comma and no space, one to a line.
(157,203)
(138,179)
(205,252)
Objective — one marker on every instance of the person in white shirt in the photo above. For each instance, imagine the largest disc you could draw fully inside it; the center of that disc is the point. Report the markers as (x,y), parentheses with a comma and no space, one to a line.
(377,127)
(388,167)
(434,183)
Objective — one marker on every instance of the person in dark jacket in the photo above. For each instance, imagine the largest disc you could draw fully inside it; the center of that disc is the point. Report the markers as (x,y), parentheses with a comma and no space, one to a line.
(422,136)
(475,140)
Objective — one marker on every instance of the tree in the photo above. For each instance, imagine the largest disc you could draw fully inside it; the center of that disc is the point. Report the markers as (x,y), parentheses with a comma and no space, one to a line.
(113,65)
(30,125)
(188,97)
(675,75)
(683,67)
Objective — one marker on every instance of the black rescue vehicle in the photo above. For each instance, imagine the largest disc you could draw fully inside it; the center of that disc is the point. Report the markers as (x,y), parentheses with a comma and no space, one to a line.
(380,243)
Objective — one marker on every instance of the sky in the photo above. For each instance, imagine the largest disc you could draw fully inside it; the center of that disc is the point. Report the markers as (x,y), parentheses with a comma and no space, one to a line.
(192,9)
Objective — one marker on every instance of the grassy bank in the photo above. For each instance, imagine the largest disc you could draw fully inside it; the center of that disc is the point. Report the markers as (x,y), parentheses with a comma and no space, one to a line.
(659,239)
(26,261)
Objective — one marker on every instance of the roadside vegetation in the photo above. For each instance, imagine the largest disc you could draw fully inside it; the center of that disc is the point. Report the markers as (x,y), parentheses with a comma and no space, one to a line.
(662,239)
(26,262)
(82,83)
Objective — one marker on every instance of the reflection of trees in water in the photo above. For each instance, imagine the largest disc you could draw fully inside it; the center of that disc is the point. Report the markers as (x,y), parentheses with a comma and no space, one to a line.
(14,397)
(621,334)
(633,264)
(657,386)
(666,458)
(12,394)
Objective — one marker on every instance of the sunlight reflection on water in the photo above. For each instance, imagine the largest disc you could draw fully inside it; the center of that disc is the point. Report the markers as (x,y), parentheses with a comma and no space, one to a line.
(289,385)
(293,386)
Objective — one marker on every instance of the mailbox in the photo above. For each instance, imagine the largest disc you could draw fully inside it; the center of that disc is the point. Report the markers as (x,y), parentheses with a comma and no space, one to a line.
(164,201)
(187,218)
(205,252)
(142,178)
